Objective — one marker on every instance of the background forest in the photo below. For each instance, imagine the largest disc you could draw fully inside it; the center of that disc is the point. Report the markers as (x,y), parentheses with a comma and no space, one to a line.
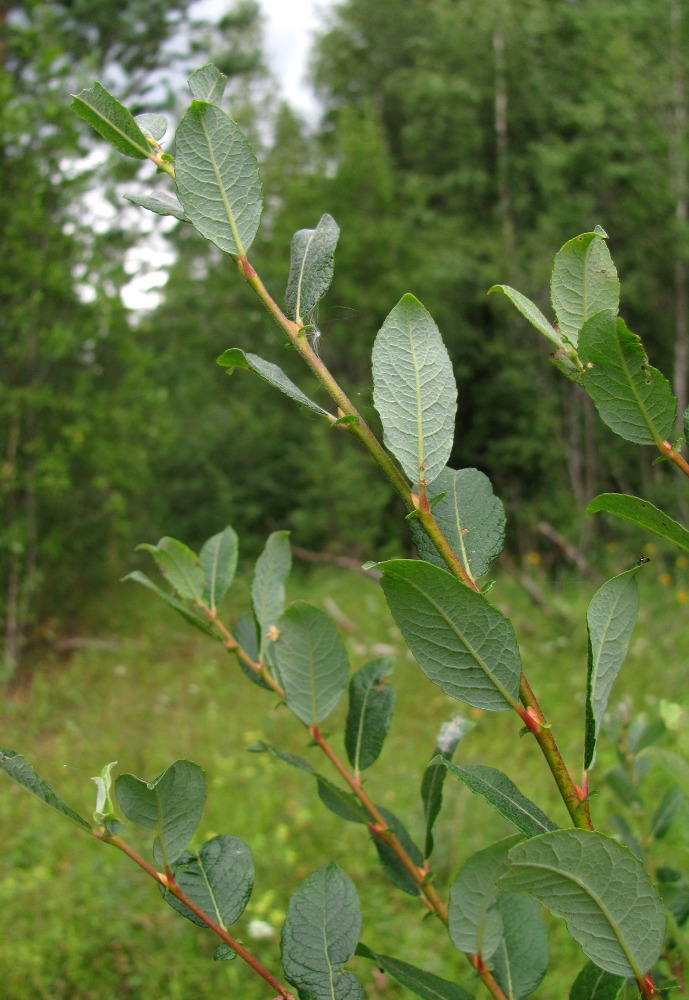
(459,145)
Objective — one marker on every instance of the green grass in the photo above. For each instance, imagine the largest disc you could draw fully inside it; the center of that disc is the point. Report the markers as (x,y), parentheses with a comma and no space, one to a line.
(80,922)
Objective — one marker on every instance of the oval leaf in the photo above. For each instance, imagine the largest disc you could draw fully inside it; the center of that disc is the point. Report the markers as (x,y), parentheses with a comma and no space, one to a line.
(268,585)
(593,983)
(600,888)
(217,178)
(218,560)
(470,516)
(521,959)
(414,390)
(632,398)
(503,795)
(160,202)
(17,768)
(235,358)
(461,642)
(311,267)
(218,878)
(422,984)
(207,84)
(179,565)
(643,514)
(475,923)
(392,865)
(171,804)
(584,281)
(311,661)
(319,935)
(371,702)
(203,624)
(610,621)
(111,120)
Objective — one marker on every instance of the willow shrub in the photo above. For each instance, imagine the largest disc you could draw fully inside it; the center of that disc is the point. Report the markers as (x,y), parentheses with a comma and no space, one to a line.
(624,908)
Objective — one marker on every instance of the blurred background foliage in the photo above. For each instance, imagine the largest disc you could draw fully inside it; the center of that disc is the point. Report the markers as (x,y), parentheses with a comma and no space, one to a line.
(459,144)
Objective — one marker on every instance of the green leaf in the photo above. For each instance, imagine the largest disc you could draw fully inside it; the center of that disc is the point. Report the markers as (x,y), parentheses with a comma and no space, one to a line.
(104,812)
(268,585)
(643,514)
(593,983)
(246,635)
(610,621)
(171,804)
(521,959)
(422,984)
(218,560)
(470,516)
(14,765)
(632,398)
(584,281)
(601,889)
(343,804)
(203,624)
(666,811)
(414,390)
(311,661)
(392,865)
(152,124)
(434,776)
(218,878)
(160,202)
(179,565)
(207,84)
(111,120)
(319,935)
(311,267)
(501,792)
(475,923)
(223,953)
(461,642)
(371,702)
(235,358)
(530,311)
(217,178)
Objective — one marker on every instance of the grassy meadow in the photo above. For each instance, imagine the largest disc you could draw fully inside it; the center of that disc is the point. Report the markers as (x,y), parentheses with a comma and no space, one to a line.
(80,922)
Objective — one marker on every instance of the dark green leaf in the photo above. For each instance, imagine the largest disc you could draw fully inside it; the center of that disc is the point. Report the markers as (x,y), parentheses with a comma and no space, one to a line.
(319,935)
(223,953)
(180,567)
(584,281)
(414,390)
(311,661)
(666,811)
(207,84)
(521,959)
(475,922)
(204,624)
(461,642)
(470,516)
(218,560)
(234,358)
(111,120)
(217,178)
(632,398)
(371,702)
(246,635)
(592,882)
(643,514)
(344,804)
(422,984)
(503,795)
(160,202)
(392,865)
(311,267)
(218,878)
(610,621)
(14,765)
(593,983)
(171,804)
(434,775)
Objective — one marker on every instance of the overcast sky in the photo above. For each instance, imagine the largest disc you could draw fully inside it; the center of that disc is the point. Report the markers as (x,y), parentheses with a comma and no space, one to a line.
(290,25)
